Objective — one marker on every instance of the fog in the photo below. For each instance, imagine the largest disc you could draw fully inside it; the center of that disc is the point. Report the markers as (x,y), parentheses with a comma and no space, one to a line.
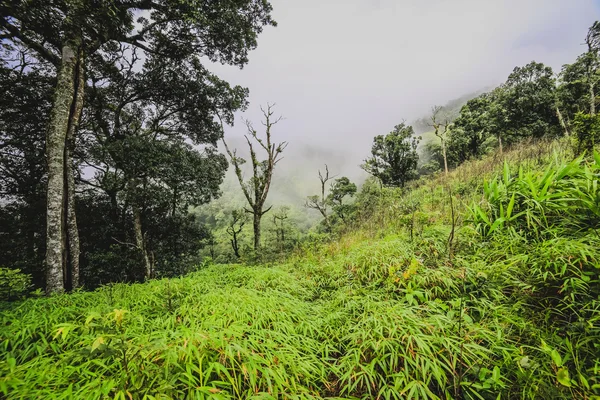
(343,71)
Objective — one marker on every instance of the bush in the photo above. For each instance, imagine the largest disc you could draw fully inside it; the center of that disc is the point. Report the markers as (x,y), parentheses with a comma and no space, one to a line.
(587,132)
(13,283)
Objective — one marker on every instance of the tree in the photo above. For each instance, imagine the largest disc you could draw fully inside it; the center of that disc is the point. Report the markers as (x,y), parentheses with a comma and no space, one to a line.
(340,189)
(73,34)
(587,132)
(441,125)
(138,136)
(573,94)
(527,103)
(394,156)
(279,226)
(321,203)
(472,129)
(576,91)
(24,109)
(257,188)
(234,229)
(592,40)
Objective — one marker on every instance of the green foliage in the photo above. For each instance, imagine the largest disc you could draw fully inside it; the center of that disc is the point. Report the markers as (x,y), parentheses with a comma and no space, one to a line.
(145,146)
(13,283)
(472,130)
(383,312)
(573,92)
(528,103)
(341,191)
(394,156)
(24,107)
(586,129)
(540,229)
(561,201)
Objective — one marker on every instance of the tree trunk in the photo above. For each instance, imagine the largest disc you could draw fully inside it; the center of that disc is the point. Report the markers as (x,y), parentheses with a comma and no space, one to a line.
(235,246)
(500,143)
(55,153)
(326,219)
(256,225)
(445,157)
(592,98)
(71,220)
(561,120)
(139,240)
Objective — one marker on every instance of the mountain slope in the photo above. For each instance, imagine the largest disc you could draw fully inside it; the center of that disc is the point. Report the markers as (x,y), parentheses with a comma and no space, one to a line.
(418,300)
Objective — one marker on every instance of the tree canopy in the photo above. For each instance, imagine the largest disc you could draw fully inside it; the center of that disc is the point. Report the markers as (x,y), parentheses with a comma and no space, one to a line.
(394,156)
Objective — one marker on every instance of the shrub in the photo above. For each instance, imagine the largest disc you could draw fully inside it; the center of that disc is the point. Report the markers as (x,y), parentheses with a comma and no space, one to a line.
(13,283)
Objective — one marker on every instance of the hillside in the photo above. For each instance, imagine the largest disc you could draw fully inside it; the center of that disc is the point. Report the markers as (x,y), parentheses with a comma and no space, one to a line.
(451,109)
(479,285)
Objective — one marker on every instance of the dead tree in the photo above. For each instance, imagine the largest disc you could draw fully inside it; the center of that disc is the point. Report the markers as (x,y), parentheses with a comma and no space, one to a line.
(441,128)
(257,188)
(234,228)
(320,204)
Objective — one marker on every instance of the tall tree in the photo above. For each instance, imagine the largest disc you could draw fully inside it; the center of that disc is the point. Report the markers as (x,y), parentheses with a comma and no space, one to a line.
(24,111)
(474,127)
(340,189)
(72,34)
(321,203)
(257,188)
(576,91)
(394,156)
(592,40)
(441,125)
(527,103)
(138,133)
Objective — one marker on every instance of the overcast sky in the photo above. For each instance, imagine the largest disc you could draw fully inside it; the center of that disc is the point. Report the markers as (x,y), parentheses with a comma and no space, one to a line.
(343,71)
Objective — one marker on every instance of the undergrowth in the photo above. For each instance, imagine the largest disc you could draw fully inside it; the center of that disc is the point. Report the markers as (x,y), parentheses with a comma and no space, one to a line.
(480,285)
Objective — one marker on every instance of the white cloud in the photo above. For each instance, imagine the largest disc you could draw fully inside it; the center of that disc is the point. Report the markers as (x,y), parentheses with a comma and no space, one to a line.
(342,71)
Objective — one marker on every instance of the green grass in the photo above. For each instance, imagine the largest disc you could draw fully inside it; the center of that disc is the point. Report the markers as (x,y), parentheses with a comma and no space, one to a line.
(391,310)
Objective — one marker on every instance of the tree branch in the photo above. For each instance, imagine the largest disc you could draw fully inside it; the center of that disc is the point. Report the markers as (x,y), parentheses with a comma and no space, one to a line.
(38,47)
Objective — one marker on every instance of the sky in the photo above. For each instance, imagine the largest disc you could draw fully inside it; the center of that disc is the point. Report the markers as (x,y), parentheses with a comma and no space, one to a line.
(343,71)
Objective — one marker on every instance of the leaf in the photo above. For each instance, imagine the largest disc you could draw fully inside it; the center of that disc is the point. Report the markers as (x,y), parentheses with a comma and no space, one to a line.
(556,358)
(506,173)
(510,206)
(562,376)
(63,331)
(525,362)
(119,314)
(597,157)
(496,224)
(92,317)
(496,374)
(99,341)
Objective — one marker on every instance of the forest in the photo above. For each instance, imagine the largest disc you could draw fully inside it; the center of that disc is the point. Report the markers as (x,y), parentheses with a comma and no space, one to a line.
(145,254)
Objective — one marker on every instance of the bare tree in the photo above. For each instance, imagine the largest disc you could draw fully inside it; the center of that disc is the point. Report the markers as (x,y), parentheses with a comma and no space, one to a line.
(320,204)
(441,126)
(257,188)
(234,228)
